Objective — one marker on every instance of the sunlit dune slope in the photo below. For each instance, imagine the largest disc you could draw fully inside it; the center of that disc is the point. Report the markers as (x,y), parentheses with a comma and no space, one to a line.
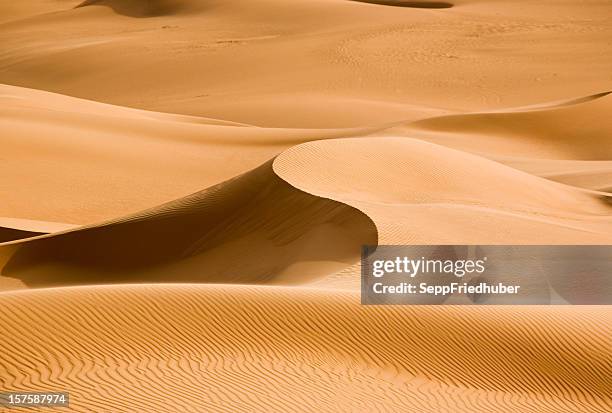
(422,193)
(255,228)
(594,175)
(565,141)
(579,131)
(277,349)
(78,161)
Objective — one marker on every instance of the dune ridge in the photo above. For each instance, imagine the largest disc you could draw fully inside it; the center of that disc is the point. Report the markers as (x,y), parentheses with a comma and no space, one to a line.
(408,178)
(252,229)
(95,162)
(577,130)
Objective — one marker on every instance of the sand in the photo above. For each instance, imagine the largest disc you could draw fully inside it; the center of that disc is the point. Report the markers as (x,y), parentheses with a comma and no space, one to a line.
(197,348)
(186,186)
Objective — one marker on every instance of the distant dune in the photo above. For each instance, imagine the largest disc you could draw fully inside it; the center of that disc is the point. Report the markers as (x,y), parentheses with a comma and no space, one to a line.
(97,162)
(342,62)
(186,186)
(578,130)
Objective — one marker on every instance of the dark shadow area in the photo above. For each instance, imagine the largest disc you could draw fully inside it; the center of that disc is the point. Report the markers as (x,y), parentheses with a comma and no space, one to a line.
(253,229)
(413,4)
(11,234)
(607,199)
(137,8)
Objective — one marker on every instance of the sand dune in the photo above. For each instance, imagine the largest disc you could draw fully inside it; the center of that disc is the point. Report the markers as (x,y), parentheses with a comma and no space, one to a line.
(218,164)
(95,162)
(423,193)
(212,58)
(578,131)
(565,141)
(253,229)
(594,175)
(194,348)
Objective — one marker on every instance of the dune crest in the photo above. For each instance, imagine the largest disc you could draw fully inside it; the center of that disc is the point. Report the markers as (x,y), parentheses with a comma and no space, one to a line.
(255,228)
(101,161)
(579,130)
(422,193)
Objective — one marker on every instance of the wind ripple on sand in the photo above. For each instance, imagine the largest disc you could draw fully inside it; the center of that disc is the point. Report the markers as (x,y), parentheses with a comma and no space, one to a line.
(195,347)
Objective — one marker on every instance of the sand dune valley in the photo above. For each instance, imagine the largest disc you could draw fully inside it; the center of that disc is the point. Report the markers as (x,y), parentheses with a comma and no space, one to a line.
(186,185)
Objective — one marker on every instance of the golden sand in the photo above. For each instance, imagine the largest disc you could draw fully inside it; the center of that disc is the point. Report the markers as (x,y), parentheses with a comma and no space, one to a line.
(195,179)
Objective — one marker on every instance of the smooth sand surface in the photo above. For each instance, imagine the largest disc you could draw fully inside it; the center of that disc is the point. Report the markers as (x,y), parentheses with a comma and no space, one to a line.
(185,187)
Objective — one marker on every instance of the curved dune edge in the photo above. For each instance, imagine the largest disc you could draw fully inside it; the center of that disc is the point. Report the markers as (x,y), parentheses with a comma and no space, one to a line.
(197,347)
(564,141)
(438,185)
(558,103)
(16,97)
(591,175)
(577,130)
(421,193)
(101,161)
(255,228)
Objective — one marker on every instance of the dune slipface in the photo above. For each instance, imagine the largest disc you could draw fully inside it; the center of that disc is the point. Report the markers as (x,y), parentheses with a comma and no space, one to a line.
(255,228)
(186,187)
